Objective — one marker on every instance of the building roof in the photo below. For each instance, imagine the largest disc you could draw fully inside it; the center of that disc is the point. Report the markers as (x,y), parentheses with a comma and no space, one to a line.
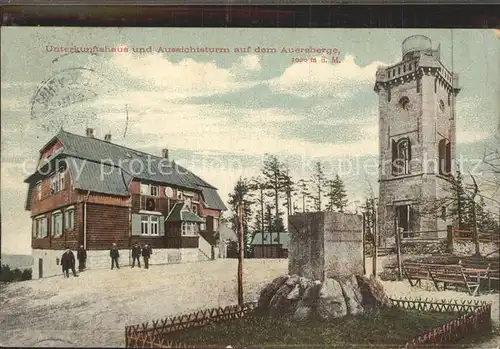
(284,239)
(117,165)
(177,214)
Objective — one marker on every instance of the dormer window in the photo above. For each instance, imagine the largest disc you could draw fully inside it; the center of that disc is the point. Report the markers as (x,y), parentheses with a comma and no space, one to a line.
(57,182)
(154,190)
(179,195)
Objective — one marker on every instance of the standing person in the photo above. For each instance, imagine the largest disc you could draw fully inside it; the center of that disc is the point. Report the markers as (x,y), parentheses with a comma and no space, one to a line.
(114,254)
(68,262)
(136,254)
(82,258)
(146,254)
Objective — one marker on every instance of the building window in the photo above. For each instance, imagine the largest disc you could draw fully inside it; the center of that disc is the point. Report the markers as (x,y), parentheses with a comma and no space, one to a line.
(435,85)
(419,85)
(404,103)
(40,227)
(38,191)
(444,157)
(179,195)
(144,225)
(449,98)
(154,225)
(203,226)
(404,220)
(195,209)
(401,156)
(154,190)
(57,182)
(57,224)
(69,219)
(216,223)
(150,225)
(189,229)
(388,95)
(144,189)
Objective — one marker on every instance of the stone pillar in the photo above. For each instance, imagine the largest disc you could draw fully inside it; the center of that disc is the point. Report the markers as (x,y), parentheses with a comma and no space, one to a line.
(325,245)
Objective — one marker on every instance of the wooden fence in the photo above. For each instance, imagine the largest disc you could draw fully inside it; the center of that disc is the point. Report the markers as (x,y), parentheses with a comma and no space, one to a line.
(151,335)
(474,317)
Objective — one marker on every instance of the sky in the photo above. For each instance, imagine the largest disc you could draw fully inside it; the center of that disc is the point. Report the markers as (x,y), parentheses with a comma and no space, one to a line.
(219,113)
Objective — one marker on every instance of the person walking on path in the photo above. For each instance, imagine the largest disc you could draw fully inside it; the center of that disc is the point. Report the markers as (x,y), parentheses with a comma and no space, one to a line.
(82,258)
(146,254)
(114,254)
(136,254)
(68,262)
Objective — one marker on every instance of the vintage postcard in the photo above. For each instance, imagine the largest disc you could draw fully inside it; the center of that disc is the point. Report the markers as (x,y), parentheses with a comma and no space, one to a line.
(167,187)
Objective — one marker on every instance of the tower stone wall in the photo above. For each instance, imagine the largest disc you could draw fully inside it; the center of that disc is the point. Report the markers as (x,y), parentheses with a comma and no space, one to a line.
(416,108)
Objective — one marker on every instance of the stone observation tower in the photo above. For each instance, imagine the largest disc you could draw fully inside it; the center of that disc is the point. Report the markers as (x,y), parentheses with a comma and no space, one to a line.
(416,141)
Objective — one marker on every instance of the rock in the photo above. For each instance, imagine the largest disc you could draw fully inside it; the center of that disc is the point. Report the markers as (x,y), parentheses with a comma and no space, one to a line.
(302,312)
(304,283)
(352,295)
(279,304)
(310,296)
(331,302)
(294,293)
(292,280)
(372,293)
(268,292)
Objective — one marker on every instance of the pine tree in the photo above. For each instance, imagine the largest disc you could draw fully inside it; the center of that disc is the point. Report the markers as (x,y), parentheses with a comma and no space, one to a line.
(337,197)
(305,194)
(318,181)
(274,179)
(288,189)
(241,195)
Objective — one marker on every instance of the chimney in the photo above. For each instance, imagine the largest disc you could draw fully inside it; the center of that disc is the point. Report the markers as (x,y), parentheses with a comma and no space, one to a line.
(164,153)
(107,137)
(90,132)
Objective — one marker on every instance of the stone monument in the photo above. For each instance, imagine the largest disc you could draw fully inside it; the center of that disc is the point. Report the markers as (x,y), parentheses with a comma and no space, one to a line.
(325,245)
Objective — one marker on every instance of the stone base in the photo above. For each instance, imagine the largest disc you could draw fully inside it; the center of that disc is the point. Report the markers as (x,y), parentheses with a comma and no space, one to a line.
(301,299)
(100,259)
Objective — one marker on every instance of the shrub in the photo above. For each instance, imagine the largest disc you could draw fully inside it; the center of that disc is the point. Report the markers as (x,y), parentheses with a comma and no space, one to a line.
(10,275)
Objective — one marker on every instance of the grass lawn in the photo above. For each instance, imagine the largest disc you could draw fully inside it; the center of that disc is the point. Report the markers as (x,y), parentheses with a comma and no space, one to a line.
(378,330)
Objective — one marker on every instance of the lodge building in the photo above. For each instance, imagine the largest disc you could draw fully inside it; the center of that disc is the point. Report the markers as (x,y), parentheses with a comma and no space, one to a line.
(92,192)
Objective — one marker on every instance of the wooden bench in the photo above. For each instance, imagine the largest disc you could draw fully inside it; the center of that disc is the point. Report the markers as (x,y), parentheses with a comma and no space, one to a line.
(447,275)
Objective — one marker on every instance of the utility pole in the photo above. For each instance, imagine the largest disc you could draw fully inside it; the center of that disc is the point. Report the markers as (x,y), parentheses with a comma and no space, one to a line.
(474,217)
(375,239)
(364,244)
(240,258)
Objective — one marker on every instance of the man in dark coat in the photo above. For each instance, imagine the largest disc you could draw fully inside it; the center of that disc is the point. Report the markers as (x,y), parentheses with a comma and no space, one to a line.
(81,254)
(146,254)
(114,254)
(136,254)
(68,262)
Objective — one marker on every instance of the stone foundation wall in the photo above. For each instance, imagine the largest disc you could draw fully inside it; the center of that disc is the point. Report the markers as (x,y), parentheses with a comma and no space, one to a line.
(101,260)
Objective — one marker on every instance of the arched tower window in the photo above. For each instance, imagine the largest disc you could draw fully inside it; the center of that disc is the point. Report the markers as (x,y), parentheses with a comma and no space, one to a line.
(401,156)
(444,157)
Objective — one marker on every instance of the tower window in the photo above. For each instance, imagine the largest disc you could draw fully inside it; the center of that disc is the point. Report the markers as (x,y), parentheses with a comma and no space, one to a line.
(435,85)
(401,156)
(404,103)
(388,95)
(441,105)
(419,85)
(444,157)
(449,98)
(399,70)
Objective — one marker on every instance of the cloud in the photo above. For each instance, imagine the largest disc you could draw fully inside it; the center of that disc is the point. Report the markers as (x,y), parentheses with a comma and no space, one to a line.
(187,77)
(325,79)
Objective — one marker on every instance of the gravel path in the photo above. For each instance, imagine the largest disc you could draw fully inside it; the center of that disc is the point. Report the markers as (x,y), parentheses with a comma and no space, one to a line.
(93,310)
